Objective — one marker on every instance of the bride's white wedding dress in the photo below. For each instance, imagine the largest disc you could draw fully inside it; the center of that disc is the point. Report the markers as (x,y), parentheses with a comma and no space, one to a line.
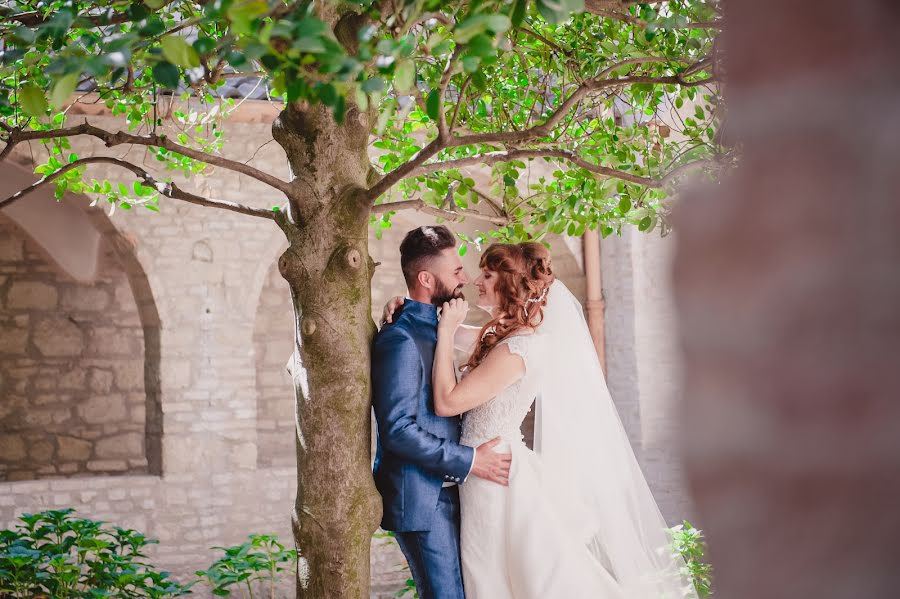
(514,543)
(577,519)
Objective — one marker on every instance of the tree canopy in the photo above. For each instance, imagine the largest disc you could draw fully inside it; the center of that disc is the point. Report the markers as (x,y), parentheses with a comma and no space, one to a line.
(618,96)
(614,100)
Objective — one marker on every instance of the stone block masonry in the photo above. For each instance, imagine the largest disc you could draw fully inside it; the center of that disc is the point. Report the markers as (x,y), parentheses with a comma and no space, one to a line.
(71,368)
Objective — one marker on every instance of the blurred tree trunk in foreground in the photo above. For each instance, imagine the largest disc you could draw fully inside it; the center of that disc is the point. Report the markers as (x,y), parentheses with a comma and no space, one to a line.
(788,283)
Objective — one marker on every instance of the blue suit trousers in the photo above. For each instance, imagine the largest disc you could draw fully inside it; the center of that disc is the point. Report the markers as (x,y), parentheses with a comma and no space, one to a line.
(434,555)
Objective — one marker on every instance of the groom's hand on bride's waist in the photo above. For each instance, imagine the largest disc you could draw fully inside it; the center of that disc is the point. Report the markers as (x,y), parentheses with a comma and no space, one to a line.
(491,465)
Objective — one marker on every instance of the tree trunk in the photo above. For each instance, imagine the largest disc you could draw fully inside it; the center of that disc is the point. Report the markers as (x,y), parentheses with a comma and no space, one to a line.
(329,272)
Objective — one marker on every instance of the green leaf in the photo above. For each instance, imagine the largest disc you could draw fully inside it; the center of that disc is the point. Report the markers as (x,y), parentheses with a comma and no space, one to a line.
(624,205)
(405,76)
(155,4)
(482,45)
(478,24)
(498,23)
(311,45)
(463,249)
(471,63)
(204,45)
(62,89)
(153,27)
(518,12)
(558,11)
(177,51)
(645,223)
(362,100)
(33,101)
(433,104)
(310,27)
(375,84)
(166,74)
(243,12)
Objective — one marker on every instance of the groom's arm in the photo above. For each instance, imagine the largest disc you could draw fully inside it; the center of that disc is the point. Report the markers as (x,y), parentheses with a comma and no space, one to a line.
(396,384)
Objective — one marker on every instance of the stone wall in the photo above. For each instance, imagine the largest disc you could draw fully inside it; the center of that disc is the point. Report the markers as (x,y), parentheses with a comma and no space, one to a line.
(222,335)
(188,513)
(205,272)
(273,343)
(72,398)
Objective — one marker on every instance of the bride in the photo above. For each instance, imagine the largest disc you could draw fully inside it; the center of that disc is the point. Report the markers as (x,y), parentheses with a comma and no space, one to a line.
(577,519)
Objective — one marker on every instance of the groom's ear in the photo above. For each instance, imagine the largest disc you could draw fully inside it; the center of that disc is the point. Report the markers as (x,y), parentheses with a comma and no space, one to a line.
(425,279)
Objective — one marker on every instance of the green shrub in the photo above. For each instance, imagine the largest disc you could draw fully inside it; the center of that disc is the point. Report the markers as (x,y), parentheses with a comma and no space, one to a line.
(688,541)
(53,554)
(255,564)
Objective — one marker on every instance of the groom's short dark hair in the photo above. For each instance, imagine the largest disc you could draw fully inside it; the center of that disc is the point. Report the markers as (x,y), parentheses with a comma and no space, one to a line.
(420,246)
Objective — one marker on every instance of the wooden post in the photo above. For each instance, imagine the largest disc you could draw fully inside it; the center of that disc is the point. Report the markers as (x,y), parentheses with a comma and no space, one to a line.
(595,304)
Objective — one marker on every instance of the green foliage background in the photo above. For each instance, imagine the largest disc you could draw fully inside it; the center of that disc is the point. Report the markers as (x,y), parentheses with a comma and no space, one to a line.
(478,68)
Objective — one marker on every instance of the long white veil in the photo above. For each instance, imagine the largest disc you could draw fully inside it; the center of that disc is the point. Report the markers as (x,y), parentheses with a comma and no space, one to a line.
(589,467)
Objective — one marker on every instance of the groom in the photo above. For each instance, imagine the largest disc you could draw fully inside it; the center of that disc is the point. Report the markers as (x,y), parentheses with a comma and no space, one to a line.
(419,460)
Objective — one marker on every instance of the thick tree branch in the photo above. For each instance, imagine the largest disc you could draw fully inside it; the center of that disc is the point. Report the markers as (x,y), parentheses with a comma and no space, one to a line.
(527,31)
(594,5)
(15,136)
(402,171)
(413,166)
(439,143)
(36,18)
(618,10)
(451,215)
(588,86)
(167,189)
(634,61)
(492,158)
(448,21)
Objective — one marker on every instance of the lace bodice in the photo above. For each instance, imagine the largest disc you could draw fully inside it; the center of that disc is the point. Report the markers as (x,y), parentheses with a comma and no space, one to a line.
(503,415)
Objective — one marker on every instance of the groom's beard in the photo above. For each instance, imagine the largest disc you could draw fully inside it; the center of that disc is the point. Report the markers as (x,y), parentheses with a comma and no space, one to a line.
(442,294)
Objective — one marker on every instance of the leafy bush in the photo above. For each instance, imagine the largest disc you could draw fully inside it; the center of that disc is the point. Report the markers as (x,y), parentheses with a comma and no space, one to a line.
(254,564)
(688,541)
(53,554)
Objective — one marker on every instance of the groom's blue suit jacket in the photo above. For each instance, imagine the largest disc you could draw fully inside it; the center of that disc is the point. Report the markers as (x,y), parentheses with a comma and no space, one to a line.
(417,450)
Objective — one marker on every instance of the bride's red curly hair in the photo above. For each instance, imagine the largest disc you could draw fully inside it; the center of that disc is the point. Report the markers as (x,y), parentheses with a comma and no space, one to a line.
(524,274)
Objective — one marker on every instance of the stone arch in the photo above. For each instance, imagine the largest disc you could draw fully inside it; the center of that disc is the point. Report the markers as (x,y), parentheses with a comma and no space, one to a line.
(81,344)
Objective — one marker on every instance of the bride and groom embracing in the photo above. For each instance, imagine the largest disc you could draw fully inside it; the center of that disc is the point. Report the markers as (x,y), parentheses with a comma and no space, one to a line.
(477,514)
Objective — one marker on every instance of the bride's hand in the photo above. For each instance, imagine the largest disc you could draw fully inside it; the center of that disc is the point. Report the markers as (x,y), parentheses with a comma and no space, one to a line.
(453,314)
(389,308)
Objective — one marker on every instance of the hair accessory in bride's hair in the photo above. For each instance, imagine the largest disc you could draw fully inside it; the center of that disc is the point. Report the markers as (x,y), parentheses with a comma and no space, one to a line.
(491,330)
(533,300)
(539,298)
